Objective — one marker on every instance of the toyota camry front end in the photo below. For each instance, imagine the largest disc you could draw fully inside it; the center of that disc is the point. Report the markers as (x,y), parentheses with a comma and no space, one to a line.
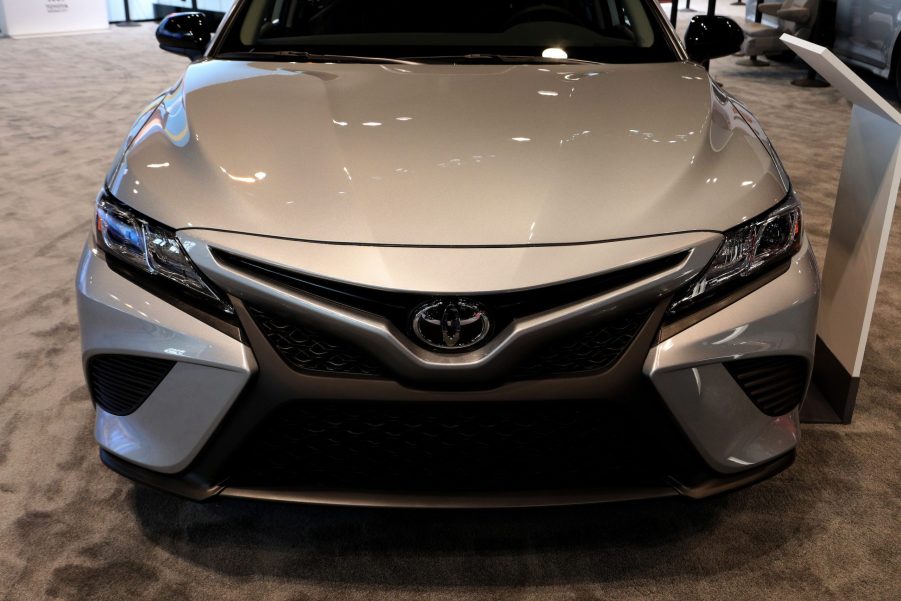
(512,253)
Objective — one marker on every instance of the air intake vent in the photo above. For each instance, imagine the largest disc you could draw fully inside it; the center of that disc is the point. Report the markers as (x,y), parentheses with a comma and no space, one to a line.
(774,384)
(120,383)
(456,445)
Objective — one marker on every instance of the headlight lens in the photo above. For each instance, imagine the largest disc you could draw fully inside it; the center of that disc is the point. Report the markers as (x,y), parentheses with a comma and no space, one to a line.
(150,247)
(746,251)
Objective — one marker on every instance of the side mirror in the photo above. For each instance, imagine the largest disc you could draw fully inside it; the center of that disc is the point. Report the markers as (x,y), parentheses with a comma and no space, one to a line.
(187,34)
(710,37)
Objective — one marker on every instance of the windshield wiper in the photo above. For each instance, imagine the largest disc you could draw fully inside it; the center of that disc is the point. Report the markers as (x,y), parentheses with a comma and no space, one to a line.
(289,55)
(498,58)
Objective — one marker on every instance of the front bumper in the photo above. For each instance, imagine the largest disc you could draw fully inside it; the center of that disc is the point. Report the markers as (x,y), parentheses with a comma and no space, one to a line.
(185,436)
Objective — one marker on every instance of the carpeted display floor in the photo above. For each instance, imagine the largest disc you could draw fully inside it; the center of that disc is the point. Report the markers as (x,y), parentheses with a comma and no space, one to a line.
(69,529)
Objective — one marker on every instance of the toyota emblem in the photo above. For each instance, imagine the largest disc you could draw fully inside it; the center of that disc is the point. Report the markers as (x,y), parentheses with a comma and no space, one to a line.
(450,325)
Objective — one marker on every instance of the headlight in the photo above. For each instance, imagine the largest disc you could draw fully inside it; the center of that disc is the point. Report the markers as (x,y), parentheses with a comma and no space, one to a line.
(150,247)
(747,251)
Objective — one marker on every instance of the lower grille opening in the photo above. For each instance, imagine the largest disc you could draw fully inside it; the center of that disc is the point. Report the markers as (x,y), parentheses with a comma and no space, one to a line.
(119,384)
(459,446)
(775,384)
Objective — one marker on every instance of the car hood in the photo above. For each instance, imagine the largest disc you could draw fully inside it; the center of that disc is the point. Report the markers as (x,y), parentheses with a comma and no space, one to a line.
(447,155)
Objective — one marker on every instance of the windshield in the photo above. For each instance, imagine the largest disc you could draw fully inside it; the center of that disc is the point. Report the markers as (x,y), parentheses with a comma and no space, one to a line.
(613,31)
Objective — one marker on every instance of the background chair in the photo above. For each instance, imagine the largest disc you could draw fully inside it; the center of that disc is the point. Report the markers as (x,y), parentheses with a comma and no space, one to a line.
(796,17)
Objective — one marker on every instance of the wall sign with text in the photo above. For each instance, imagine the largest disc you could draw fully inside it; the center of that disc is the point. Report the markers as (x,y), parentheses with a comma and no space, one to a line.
(22,18)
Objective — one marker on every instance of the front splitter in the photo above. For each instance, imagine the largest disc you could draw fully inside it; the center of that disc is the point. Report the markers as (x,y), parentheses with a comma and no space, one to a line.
(704,486)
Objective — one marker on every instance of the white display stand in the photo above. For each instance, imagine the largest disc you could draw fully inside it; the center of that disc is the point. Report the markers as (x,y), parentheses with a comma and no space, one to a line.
(861,221)
(24,18)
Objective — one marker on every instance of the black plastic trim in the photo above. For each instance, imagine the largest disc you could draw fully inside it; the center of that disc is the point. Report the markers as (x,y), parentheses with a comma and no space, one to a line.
(189,487)
(184,485)
(775,383)
(306,349)
(708,486)
(119,383)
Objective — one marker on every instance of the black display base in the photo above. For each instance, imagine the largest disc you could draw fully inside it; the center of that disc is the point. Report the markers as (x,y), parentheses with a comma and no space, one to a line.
(810,82)
(127,24)
(833,390)
(816,408)
(752,62)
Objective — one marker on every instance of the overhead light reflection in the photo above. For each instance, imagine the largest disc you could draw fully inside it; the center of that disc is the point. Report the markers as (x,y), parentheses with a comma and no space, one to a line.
(554,53)
(259,175)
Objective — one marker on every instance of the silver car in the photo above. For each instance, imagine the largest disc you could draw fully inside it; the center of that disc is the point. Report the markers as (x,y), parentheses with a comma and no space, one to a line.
(478,254)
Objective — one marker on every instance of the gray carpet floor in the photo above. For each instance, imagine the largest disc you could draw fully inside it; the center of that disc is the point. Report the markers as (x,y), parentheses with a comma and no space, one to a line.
(69,529)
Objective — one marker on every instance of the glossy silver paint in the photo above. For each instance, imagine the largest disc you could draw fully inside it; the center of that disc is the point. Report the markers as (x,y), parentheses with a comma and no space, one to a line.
(464,270)
(169,429)
(447,155)
(446,180)
(725,427)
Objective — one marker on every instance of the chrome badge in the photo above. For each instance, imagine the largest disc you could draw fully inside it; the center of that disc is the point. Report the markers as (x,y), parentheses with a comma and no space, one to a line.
(450,325)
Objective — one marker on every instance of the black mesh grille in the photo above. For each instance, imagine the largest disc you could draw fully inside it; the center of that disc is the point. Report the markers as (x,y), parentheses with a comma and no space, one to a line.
(775,384)
(120,383)
(463,446)
(305,349)
(595,349)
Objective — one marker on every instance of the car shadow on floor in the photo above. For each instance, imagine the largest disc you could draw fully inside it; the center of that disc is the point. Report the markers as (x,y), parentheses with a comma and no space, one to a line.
(589,544)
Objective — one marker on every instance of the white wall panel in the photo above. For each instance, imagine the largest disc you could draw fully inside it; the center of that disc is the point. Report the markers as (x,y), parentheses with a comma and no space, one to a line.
(140,9)
(22,18)
(116,10)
